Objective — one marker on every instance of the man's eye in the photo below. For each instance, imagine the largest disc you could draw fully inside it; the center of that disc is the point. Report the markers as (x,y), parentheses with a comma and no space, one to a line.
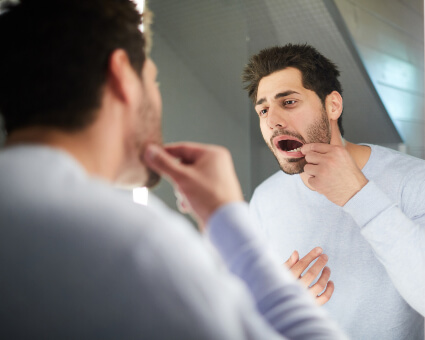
(289,102)
(262,112)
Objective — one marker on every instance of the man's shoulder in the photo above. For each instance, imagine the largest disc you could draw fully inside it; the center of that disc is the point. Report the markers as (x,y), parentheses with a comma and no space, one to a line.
(398,175)
(391,154)
(386,160)
(56,193)
(66,211)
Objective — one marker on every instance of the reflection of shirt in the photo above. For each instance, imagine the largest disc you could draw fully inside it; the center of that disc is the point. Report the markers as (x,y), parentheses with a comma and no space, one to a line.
(78,261)
(375,244)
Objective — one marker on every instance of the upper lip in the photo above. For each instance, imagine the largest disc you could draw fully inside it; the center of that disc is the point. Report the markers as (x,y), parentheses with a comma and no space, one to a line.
(284,137)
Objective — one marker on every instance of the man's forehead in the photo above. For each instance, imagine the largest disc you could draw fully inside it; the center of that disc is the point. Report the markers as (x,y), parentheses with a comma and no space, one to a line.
(283,81)
(287,76)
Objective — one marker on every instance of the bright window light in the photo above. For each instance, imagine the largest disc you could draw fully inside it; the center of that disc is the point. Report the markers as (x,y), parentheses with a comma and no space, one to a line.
(140,4)
(140,195)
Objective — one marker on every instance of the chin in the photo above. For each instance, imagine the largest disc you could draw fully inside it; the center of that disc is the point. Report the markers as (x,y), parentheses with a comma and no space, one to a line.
(137,178)
(153,179)
(292,166)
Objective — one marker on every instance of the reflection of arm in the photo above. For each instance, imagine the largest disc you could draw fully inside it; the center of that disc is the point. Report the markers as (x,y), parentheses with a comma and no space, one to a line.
(398,242)
(281,300)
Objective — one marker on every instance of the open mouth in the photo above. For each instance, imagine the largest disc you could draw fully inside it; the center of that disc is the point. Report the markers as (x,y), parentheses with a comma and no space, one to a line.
(288,145)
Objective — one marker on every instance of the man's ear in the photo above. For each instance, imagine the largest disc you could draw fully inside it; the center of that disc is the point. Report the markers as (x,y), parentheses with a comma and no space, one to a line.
(334,105)
(121,75)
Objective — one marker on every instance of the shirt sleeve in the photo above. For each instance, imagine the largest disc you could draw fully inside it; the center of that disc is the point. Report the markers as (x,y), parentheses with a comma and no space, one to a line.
(284,303)
(397,240)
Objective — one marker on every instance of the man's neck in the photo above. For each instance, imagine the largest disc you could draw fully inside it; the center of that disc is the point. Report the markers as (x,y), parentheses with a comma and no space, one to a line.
(359,153)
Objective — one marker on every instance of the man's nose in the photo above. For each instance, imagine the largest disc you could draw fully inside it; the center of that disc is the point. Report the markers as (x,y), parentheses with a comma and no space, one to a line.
(276,118)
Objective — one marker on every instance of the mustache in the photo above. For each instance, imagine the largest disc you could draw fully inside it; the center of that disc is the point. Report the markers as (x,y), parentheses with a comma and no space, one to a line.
(281,132)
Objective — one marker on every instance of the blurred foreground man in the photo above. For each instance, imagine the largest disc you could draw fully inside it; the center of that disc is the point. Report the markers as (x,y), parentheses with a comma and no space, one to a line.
(363,205)
(82,111)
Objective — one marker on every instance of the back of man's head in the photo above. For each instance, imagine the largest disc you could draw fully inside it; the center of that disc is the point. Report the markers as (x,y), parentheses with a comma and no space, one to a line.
(55,56)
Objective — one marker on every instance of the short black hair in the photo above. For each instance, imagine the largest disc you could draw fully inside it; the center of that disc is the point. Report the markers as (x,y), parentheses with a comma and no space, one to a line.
(54,58)
(319,74)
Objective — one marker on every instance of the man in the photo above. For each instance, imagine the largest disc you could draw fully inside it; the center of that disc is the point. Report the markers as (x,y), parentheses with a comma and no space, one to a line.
(364,205)
(82,110)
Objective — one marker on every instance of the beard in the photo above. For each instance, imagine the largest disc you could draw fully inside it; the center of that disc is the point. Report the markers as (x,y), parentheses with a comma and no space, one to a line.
(142,132)
(150,133)
(317,132)
(147,177)
(153,178)
(135,173)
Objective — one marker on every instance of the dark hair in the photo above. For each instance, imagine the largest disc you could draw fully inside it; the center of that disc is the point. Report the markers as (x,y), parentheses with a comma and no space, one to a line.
(54,58)
(319,74)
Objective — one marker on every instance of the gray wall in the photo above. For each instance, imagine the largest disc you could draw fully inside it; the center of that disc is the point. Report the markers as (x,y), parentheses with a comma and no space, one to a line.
(192,112)
(389,36)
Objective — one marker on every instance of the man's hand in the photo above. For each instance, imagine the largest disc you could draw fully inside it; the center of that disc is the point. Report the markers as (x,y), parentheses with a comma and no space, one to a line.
(332,172)
(297,267)
(203,174)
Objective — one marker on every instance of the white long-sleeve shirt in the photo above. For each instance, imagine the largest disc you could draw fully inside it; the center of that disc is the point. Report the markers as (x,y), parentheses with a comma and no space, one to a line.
(79,261)
(375,243)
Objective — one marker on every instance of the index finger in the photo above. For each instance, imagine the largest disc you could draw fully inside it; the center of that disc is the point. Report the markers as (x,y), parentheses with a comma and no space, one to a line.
(316,147)
(163,162)
(187,152)
(302,264)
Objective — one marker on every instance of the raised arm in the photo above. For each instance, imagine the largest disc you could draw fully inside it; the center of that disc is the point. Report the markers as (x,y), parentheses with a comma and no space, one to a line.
(397,240)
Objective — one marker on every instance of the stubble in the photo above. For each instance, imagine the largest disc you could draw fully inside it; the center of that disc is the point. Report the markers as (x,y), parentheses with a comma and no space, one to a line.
(318,132)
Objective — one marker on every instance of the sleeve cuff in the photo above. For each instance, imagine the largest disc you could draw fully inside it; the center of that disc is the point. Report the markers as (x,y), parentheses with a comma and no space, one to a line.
(368,203)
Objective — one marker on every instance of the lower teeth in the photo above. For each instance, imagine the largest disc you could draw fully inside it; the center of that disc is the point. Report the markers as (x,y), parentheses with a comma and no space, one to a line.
(295,150)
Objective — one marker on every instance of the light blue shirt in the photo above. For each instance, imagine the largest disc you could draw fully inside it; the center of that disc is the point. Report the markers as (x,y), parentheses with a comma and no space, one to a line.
(375,243)
(78,261)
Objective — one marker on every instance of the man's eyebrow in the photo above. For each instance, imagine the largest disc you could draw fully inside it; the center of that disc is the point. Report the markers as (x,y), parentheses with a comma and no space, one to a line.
(284,94)
(277,96)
